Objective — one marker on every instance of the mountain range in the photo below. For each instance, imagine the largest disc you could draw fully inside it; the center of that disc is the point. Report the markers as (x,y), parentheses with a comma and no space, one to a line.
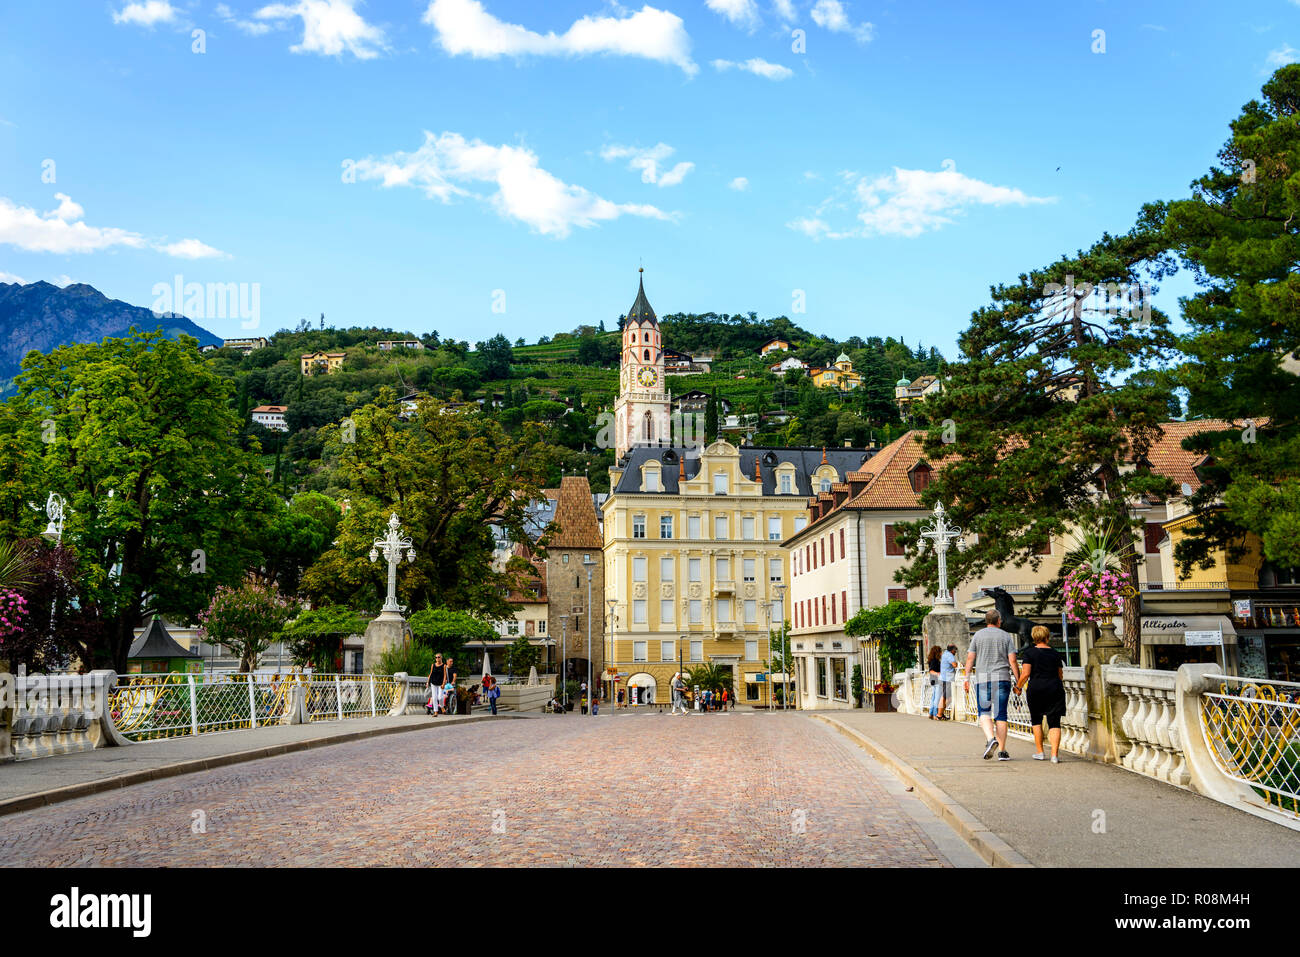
(43,316)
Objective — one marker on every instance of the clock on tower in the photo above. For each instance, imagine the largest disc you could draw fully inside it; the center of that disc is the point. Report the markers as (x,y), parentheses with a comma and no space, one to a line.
(641,409)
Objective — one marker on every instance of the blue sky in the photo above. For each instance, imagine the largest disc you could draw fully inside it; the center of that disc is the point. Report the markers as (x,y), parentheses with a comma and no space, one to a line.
(890,161)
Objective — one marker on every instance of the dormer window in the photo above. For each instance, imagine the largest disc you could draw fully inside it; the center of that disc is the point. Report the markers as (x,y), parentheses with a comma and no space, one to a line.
(920,477)
(826,485)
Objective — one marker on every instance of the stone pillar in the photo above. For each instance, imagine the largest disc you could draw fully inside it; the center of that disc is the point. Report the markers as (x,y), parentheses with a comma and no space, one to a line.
(945,626)
(1103,724)
(386,631)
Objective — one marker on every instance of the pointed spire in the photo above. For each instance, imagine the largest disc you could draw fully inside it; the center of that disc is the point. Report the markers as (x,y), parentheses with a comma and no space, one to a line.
(641,311)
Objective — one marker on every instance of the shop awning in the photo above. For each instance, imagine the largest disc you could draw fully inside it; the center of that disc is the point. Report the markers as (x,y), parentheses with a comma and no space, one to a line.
(1170,629)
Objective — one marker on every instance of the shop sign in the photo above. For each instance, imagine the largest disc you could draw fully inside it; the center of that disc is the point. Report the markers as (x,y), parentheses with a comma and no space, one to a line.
(1202,637)
(1241,607)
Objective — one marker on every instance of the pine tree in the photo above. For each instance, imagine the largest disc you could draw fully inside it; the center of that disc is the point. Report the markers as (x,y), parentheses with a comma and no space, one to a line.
(711,418)
(1019,462)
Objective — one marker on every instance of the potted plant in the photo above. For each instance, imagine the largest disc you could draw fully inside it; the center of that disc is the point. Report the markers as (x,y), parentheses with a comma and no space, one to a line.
(892,627)
(856,686)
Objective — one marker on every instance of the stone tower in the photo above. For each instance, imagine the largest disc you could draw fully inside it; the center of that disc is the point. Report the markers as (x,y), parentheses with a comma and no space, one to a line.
(575,536)
(642,408)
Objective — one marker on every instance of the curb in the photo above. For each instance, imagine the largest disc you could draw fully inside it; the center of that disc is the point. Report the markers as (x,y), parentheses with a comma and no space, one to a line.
(70,792)
(994,850)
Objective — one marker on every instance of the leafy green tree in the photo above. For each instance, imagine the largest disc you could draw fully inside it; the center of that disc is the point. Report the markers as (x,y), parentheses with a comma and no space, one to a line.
(1240,234)
(711,418)
(709,677)
(521,656)
(445,631)
(495,356)
(245,619)
(449,475)
(315,637)
(140,437)
(1017,460)
(895,626)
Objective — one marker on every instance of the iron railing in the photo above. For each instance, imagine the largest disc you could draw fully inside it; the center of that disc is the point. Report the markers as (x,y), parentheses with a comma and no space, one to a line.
(1252,728)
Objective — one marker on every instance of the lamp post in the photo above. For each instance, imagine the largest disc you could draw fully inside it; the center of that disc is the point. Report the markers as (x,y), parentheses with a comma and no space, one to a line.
(613,692)
(942,535)
(588,564)
(785,665)
(564,661)
(55,507)
(393,547)
(767,617)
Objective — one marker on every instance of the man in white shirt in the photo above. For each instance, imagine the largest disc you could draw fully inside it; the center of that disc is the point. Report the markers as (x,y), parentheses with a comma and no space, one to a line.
(992,659)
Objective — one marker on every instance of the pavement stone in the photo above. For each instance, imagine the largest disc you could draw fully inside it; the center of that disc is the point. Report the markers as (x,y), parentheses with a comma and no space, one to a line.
(1049,813)
(661,790)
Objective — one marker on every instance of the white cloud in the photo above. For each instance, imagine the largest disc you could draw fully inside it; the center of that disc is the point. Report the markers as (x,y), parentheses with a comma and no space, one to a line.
(68,210)
(61,231)
(834,16)
(251,27)
(62,280)
(909,202)
(756,66)
(465,27)
(739,184)
(784,9)
(1281,57)
(446,166)
(329,27)
(10,277)
(646,161)
(25,228)
(743,13)
(191,249)
(148,13)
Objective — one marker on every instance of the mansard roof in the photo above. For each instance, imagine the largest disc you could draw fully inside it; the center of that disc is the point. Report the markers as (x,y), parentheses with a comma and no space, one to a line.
(805,459)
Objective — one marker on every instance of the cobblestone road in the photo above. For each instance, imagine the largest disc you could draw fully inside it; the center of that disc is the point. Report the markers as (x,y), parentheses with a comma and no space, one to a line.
(736,789)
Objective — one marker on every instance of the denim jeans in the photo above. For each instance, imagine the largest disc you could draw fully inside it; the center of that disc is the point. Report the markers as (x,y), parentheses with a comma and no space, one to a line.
(984,690)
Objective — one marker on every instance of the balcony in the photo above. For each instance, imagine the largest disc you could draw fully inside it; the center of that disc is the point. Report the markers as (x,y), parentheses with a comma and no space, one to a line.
(724,587)
(725,629)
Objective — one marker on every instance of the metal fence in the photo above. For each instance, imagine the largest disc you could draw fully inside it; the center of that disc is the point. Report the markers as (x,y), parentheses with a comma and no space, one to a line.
(1252,728)
(154,707)
(965,708)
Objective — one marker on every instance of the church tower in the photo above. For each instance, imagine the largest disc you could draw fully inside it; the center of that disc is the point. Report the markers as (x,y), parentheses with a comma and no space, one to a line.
(641,410)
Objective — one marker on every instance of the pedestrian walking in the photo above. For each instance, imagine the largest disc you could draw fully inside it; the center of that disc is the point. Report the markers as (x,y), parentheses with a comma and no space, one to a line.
(992,659)
(437,677)
(583,702)
(493,692)
(1044,673)
(947,669)
(724,699)
(678,689)
(933,664)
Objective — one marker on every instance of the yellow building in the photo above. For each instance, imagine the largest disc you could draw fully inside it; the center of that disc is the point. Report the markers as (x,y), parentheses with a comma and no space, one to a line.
(327,362)
(839,376)
(694,564)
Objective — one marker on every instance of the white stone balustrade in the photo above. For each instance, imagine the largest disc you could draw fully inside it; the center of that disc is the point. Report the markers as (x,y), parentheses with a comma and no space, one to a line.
(1145,708)
(1074,724)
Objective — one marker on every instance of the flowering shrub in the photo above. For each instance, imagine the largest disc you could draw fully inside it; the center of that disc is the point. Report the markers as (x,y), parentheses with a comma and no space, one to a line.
(1092,595)
(245,619)
(13,609)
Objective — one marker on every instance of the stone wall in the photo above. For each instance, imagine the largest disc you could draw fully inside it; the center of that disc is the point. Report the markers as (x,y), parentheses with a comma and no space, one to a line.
(566,588)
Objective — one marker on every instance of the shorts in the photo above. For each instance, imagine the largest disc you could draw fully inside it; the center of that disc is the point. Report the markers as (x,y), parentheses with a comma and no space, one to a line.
(945,692)
(1048,704)
(984,689)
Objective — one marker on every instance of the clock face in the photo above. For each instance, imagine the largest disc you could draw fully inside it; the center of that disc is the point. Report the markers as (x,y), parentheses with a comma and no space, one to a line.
(646,377)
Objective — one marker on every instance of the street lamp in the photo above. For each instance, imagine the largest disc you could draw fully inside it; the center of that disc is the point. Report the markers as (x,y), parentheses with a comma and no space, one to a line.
(613,692)
(564,661)
(942,534)
(55,507)
(588,564)
(393,547)
(785,665)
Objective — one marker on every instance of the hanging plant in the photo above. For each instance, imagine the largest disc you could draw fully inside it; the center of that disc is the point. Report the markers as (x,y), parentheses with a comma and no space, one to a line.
(1093,595)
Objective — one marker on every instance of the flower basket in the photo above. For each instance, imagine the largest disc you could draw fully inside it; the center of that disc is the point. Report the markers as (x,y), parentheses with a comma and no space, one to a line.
(1092,595)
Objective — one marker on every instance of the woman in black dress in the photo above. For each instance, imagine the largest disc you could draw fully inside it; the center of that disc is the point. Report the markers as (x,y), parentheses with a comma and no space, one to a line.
(1043,670)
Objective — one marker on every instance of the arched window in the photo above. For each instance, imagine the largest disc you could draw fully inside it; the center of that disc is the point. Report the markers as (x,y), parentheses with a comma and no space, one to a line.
(645,337)
(826,485)
(647,355)
(647,428)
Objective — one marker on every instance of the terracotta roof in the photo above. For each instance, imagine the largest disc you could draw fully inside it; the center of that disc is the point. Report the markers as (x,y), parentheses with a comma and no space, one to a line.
(575,514)
(888,482)
(1168,457)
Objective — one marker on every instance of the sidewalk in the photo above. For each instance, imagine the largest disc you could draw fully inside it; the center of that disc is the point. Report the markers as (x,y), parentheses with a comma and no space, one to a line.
(1049,813)
(28,784)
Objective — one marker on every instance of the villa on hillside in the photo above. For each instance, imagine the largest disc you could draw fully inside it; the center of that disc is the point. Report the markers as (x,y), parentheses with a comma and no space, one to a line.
(271,416)
(788,363)
(838,376)
(326,362)
(774,345)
